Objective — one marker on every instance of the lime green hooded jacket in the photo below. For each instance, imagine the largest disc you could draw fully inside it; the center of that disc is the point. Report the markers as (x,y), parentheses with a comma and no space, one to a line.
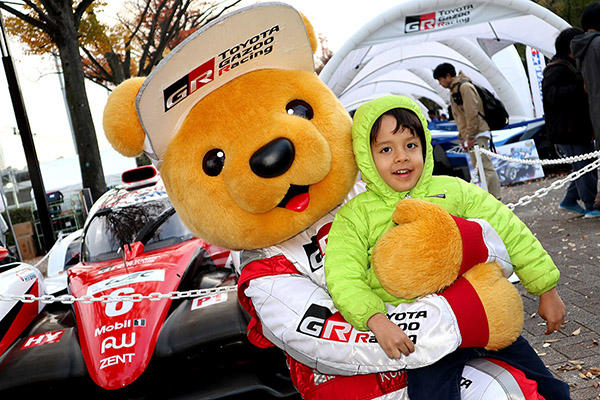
(358,225)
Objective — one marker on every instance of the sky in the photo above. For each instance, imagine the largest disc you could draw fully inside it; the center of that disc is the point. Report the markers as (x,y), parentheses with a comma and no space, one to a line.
(338,20)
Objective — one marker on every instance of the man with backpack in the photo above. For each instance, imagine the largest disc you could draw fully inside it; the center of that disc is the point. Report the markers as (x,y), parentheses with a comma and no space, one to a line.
(468,111)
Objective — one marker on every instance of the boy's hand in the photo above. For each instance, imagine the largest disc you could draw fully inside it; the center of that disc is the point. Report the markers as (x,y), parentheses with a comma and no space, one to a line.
(552,309)
(390,337)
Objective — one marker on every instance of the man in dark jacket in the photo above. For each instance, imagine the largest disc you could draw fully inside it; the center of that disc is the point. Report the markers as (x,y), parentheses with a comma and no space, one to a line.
(568,122)
(586,50)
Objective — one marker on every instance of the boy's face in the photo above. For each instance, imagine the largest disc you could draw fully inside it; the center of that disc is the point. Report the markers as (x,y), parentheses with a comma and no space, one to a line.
(397,156)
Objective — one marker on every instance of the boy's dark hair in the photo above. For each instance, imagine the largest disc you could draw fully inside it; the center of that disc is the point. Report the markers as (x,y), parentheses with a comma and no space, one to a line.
(404,119)
(444,69)
(563,41)
(590,19)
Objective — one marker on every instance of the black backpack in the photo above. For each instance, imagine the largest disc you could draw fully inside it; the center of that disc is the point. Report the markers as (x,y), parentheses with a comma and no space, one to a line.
(494,112)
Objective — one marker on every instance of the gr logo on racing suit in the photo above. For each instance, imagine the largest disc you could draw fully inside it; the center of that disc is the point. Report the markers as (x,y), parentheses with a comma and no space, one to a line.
(315,250)
(320,322)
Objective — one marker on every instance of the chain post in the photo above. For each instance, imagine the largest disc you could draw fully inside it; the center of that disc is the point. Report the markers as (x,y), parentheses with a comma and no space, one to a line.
(480,170)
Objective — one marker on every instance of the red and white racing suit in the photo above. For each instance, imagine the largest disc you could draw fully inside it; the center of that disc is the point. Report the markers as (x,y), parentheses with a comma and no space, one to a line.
(283,288)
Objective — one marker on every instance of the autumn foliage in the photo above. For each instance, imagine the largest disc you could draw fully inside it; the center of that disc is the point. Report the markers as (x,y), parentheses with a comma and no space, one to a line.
(130,43)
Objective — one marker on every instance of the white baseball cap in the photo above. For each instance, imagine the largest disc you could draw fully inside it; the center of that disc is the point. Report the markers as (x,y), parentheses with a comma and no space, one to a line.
(267,35)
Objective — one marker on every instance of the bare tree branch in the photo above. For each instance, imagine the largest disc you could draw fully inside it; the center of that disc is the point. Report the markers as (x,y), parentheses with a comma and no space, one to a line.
(158,25)
(79,10)
(222,11)
(30,20)
(135,30)
(154,24)
(201,18)
(46,16)
(104,85)
(168,34)
(99,68)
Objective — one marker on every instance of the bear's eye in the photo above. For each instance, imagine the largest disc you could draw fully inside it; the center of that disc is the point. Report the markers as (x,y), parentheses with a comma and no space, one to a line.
(299,108)
(213,162)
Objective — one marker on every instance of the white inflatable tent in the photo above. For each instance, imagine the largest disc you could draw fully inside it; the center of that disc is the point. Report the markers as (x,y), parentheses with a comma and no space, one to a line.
(397,51)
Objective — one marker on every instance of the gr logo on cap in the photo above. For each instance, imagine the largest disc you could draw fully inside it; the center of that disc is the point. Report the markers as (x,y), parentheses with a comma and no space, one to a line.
(267,35)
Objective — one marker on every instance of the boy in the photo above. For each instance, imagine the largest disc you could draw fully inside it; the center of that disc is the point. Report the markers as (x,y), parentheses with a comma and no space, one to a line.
(393,152)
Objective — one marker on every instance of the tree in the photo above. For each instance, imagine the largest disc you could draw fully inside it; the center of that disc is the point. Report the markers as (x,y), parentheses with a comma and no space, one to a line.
(147,32)
(133,46)
(60,21)
(569,10)
(325,56)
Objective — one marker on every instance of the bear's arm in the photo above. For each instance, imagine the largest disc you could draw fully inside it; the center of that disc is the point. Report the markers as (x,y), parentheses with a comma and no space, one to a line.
(299,317)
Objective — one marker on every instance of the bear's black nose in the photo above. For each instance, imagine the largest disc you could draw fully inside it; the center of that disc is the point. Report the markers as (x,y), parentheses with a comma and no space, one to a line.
(273,159)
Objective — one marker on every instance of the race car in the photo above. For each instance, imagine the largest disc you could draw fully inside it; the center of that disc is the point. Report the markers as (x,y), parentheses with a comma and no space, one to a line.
(147,311)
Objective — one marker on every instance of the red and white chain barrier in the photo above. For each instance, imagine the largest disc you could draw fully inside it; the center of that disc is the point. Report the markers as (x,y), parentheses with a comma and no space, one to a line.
(68,299)
(136,297)
(556,184)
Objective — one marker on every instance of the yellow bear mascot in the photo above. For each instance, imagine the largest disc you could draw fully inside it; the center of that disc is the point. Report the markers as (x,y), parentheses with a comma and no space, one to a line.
(255,152)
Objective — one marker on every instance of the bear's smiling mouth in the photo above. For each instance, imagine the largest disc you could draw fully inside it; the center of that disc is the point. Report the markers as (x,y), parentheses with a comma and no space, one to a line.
(296,198)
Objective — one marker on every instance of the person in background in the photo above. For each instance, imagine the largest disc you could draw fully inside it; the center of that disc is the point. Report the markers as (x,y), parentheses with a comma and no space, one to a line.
(432,119)
(586,50)
(568,122)
(467,109)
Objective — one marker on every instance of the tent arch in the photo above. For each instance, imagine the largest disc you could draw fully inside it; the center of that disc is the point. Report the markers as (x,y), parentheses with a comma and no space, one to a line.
(425,75)
(476,31)
(490,71)
(412,89)
(395,57)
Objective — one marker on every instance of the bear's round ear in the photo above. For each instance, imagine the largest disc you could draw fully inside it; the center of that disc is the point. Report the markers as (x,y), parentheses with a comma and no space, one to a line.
(312,38)
(121,124)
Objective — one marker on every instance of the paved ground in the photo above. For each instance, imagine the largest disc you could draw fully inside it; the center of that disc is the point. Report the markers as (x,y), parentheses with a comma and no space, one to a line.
(574,244)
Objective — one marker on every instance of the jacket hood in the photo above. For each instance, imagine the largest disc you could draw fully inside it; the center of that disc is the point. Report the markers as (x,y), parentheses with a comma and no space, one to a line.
(580,44)
(364,118)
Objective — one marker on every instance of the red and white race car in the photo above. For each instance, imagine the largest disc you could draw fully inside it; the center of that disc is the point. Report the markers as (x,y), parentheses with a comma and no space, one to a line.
(153,312)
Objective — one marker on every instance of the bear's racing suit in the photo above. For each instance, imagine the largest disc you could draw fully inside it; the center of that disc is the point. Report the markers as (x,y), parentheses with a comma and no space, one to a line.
(283,288)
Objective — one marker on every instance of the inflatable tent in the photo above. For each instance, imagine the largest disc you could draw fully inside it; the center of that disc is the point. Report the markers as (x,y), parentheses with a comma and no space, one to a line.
(397,51)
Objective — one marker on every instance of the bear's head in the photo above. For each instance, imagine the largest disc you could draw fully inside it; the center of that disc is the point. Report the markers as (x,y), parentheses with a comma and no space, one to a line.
(253,148)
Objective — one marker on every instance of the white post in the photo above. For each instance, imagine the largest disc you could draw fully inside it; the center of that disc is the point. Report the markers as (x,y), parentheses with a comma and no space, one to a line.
(480,170)
(3,199)
(64,93)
